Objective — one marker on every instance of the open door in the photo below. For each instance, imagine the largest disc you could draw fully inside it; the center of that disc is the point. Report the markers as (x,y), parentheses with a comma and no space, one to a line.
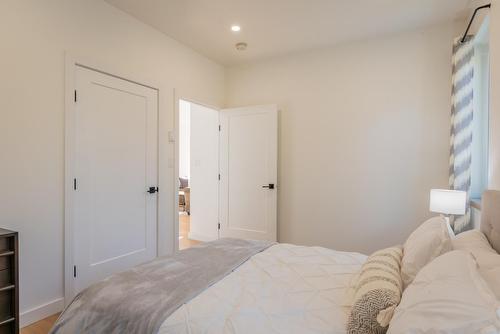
(204,170)
(248,171)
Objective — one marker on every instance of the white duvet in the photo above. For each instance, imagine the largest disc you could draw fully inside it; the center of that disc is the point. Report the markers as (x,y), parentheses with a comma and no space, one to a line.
(285,289)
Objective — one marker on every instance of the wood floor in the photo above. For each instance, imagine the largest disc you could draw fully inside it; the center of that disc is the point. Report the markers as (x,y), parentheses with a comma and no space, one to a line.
(40,327)
(184,242)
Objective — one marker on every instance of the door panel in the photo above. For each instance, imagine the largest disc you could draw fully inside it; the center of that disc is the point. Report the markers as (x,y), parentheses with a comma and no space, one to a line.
(116,162)
(204,183)
(249,146)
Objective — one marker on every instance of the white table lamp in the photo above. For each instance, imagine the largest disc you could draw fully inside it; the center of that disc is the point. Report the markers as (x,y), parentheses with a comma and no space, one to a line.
(448,202)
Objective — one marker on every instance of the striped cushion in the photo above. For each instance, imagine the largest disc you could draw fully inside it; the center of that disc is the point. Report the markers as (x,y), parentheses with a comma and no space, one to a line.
(377,292)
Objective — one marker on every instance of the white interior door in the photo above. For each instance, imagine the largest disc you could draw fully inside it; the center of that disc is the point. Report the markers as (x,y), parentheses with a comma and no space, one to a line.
(115,217)
(204,171)
(248,168)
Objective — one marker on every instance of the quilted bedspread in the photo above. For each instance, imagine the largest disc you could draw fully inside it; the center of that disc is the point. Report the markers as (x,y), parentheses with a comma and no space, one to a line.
(284,289)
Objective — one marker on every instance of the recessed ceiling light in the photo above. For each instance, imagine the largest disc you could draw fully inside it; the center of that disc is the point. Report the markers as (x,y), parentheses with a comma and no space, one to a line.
(235,28)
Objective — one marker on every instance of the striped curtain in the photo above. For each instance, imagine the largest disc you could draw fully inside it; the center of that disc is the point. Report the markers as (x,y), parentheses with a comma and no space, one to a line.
(461,124)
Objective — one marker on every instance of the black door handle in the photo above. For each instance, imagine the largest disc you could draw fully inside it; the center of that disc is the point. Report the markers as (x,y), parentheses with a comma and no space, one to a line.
(269,186)
(153,190)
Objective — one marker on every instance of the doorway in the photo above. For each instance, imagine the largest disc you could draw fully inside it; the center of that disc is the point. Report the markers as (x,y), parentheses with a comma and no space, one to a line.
(227,173)
(198,173)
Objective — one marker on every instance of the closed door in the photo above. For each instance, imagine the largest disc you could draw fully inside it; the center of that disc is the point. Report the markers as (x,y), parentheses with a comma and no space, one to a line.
(115,217)
(248,168)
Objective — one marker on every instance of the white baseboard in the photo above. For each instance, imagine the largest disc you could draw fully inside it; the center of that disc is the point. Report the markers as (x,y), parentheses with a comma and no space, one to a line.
(40,312)
(200,237)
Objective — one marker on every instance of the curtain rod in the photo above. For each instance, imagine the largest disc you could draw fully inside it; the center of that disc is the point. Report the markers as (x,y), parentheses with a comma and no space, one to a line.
(472,19)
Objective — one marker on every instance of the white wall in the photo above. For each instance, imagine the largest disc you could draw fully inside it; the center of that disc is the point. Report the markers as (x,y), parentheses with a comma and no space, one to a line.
(34,36)
(184,138)
(364,132)
(204,181)
(495,95)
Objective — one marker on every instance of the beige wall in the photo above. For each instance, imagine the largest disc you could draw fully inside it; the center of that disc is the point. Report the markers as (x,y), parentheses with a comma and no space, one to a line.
(495,95)
(34,36)
(364,131)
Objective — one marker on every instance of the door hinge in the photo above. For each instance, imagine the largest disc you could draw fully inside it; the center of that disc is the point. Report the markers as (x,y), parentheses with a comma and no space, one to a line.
(74,184)
(218,226)
(219,128)
(75,95)
(219,177)
(74,271)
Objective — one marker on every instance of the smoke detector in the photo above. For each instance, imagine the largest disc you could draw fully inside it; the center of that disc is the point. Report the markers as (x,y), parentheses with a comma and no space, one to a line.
(242,46)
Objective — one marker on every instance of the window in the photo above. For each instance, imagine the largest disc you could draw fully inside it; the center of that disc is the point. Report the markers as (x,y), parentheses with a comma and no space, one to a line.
(480,138)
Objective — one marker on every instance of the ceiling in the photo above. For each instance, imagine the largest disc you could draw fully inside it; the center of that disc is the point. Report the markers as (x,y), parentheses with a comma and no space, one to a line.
(277,27)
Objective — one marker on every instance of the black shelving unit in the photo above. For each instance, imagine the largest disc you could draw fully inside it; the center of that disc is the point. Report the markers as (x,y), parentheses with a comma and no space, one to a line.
(9,282)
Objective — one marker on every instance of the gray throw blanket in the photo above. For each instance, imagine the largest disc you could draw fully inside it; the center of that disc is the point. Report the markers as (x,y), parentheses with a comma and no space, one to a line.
(139,300)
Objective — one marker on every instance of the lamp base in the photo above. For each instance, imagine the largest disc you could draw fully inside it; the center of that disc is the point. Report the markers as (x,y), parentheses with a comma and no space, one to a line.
(448,225)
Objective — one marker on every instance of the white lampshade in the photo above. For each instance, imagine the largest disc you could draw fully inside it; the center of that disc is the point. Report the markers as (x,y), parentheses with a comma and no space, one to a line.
(449,202)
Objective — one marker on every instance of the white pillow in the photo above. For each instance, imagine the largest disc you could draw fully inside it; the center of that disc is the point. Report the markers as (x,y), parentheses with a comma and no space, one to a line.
(489,268)
(473,241)
(486,257)
(448,296)
(427,242)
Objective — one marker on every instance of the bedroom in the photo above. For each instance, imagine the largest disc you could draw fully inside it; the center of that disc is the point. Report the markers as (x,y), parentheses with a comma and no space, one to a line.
(362,88)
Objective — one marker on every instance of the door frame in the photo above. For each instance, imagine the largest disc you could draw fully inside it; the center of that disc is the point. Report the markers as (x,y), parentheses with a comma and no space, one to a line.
(177,97)
(71,63)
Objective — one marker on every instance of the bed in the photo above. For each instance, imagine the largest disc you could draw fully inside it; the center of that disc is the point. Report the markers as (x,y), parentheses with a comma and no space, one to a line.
(262,288)
(284,289)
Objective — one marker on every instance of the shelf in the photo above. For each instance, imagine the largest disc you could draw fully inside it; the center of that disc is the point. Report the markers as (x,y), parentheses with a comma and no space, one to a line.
(476,203)
(6,321)
(9,282)
(8,287)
